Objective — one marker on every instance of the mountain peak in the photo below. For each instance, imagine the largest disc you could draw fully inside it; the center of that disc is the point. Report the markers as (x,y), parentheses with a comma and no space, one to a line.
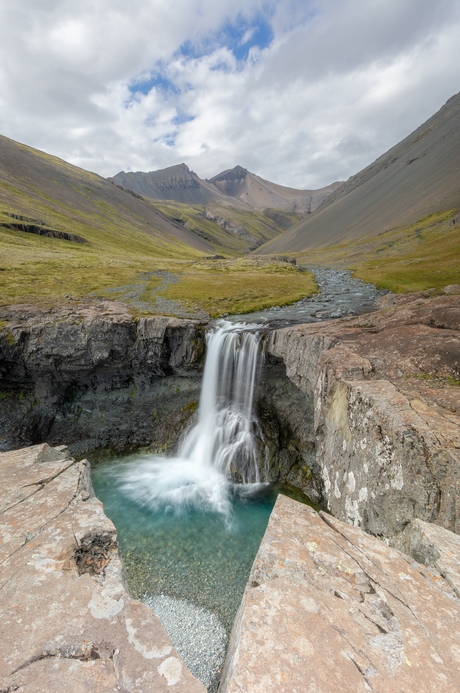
(237,173)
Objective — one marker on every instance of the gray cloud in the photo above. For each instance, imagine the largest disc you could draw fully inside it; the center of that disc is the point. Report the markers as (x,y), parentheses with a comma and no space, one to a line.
(341,82)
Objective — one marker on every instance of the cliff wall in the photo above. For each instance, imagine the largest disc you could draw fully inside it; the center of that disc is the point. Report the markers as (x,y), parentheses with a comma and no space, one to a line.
(385,391)
(92,376)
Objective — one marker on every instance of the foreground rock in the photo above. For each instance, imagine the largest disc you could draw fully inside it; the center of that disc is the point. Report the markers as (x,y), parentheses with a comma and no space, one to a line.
(90,376)
(328,608)
(385,391)
(67,622)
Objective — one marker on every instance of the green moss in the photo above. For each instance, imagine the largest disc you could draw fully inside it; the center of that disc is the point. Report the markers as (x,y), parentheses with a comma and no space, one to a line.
(438,378)
(9,339)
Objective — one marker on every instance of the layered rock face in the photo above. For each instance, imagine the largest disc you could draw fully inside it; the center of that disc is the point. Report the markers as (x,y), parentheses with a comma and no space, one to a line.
(286,416)
(67,622)
(93,376)
(328,608)
(386,401)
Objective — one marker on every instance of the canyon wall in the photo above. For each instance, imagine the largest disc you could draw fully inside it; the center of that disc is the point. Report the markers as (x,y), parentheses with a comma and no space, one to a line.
(385,391)
(359,413)
(92,376)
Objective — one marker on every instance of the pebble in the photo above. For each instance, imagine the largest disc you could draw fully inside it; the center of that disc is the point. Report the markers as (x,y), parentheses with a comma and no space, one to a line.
(197,635)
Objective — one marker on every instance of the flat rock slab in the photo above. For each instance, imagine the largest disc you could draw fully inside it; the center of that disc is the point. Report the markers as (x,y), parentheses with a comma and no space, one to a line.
(328,608)
(67,622)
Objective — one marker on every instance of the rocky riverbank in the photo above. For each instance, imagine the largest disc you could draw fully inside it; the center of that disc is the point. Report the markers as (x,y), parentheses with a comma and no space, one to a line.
(385,394)
(67,622)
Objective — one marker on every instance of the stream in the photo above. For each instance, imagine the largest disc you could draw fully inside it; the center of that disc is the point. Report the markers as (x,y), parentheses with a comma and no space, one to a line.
(188,532)
(340,295)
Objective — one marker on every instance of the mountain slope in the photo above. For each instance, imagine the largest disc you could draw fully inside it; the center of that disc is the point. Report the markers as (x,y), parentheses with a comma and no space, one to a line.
(173,183)
(417,177)
(72,200)
(235,187)
(240,184)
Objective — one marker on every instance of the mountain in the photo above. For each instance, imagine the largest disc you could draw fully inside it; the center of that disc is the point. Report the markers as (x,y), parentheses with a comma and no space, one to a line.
(173,183)
(419,176)
(39,190)
(236,187)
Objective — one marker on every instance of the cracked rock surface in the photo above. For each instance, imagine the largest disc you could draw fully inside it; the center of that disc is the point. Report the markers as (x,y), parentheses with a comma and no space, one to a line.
(67,622)
(386,397)
(328,608)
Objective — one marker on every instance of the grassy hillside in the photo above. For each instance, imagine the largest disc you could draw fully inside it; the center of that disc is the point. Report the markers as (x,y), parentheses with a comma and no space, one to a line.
(418,177)
(121,231)
(238,232)
(119,238)
(416,257)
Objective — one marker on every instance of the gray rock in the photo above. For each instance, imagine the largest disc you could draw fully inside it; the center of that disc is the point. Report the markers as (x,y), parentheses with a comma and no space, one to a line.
(93,376)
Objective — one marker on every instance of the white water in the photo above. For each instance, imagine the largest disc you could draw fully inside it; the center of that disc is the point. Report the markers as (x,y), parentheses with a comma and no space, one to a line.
(222,443)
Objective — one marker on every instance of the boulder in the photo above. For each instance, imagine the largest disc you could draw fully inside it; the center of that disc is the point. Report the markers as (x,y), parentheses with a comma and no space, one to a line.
(452,289)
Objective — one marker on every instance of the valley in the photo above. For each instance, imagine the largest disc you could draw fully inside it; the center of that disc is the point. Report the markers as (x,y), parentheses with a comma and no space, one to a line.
(208,344)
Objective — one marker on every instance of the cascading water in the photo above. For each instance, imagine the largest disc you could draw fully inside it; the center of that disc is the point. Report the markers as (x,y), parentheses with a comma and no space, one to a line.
(222,445)
(188,534)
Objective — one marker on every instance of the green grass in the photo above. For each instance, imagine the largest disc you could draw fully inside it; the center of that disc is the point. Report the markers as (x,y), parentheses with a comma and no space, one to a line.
(255,224)
(240,286)
(440,379)
(423,255)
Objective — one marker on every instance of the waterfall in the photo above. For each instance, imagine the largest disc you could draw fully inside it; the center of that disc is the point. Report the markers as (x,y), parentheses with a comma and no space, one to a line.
(221,445)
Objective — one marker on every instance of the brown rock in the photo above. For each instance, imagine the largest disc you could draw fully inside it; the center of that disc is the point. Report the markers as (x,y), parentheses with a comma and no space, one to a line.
(328,608)
(68,624)
(387,408)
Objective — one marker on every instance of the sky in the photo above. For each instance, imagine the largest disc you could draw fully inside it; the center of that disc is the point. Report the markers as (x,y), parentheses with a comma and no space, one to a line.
(300,92)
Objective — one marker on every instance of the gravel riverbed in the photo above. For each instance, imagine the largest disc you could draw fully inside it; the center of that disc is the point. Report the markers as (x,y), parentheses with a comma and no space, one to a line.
(197,634)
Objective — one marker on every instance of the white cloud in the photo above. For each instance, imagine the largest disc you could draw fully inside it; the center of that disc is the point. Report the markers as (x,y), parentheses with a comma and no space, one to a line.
(334,85)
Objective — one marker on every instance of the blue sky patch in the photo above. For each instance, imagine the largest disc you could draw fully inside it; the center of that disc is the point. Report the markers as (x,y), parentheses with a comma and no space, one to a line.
(239,37)
(157,81)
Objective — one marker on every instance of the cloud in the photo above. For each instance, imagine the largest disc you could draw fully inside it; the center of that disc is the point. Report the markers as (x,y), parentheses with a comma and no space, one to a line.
(300,92)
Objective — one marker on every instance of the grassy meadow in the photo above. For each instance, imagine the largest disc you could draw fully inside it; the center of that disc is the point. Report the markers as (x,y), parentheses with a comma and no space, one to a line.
(239,286)
(37,269)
